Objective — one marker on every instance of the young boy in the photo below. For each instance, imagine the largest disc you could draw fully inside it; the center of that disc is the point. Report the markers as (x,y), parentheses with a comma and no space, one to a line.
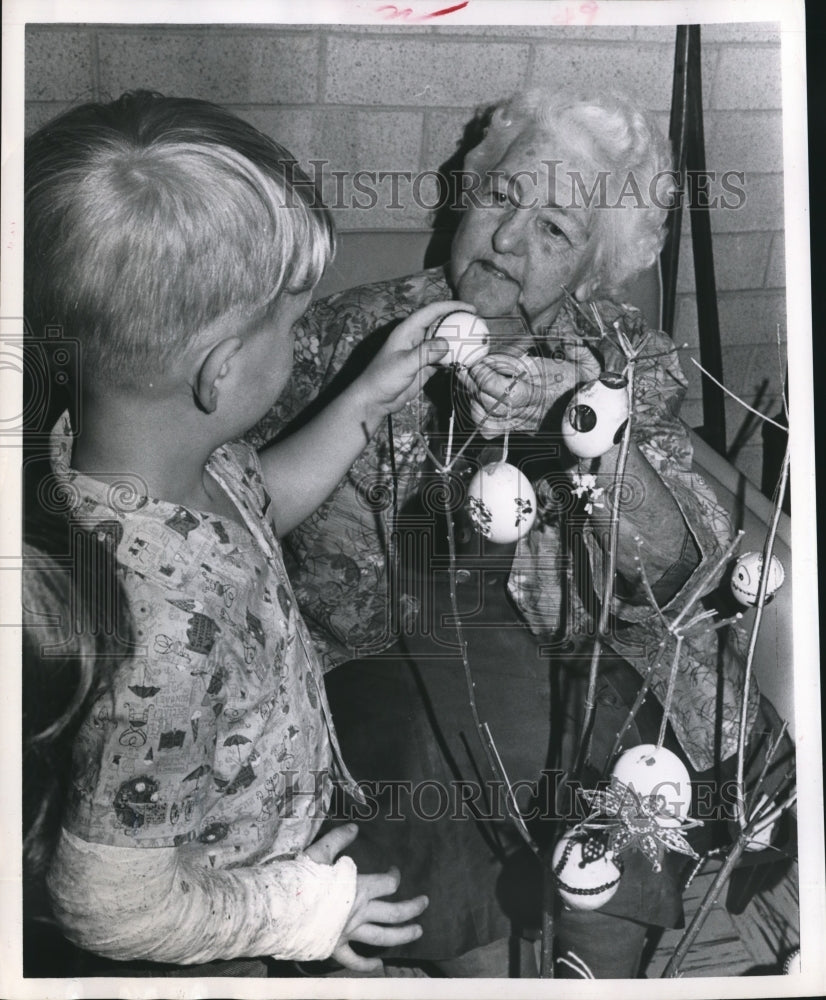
(179,246)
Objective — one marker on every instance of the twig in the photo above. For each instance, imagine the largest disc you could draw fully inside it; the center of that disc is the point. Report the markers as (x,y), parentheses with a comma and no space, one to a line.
(706,579)
(744,837)
(669,697)
(728,392)
(758,617)
(583,745)
(492,754)
(500,399)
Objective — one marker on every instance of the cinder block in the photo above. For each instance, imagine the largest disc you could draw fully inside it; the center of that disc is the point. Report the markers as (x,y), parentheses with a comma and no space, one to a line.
(38,113)
(776,271)
(686,329)
(358,145)
(432,73)
(760,207)
(750,141)
(747,368)
(556,30)
(230,67)
(740,260)
(664,33)
(748,76)
(749,461)
(643,71)
(750,317)
(292,127)
(59,64)
(685,265)
(355,139)
(745,31)
(443,134)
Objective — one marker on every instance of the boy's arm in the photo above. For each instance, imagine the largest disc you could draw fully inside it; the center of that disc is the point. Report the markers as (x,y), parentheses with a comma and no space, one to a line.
(150,903)
(301,471)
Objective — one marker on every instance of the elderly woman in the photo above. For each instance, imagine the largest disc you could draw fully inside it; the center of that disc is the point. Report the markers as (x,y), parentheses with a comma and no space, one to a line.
(565,204)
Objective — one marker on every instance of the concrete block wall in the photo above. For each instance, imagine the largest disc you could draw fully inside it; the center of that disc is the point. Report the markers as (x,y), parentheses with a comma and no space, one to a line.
(391,98)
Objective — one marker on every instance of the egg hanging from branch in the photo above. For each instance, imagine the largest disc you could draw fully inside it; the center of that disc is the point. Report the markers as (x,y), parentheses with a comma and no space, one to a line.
(595,418)
(745,577)
(654,771)
(586,873)
(501,503)
(467,335)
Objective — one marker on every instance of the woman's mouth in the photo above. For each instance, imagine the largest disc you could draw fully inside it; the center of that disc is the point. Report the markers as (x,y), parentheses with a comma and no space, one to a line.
(496,272)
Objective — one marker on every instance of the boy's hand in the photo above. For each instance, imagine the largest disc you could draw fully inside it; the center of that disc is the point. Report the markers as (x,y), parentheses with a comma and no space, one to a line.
(537,383)
(369,918)
(406,360)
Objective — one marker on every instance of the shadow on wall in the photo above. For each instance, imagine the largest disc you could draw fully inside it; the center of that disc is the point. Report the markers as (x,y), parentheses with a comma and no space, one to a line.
(446,219)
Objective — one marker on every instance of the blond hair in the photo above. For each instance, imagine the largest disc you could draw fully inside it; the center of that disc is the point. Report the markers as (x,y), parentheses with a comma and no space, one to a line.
(151,217)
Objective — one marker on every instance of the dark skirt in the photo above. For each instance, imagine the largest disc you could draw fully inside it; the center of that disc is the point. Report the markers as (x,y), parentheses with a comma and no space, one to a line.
(435,809)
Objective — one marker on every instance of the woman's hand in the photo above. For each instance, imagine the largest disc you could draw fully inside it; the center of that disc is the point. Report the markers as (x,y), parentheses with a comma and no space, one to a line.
(406,360)
(371,920)
(535,386)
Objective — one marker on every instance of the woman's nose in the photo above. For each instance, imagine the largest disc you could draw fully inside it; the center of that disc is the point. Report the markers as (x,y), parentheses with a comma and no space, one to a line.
(510,234)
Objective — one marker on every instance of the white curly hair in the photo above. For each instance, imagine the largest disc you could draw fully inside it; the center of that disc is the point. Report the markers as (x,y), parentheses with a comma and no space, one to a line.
(620,143)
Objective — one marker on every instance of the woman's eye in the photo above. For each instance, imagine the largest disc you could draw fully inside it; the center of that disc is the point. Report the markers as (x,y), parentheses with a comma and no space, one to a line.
(551,228)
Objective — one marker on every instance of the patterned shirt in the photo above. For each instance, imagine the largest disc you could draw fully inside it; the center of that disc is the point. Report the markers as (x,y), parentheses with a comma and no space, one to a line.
(215,734)
(338,558)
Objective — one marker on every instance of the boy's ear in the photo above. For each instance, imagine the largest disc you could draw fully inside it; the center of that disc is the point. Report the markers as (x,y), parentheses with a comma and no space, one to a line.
(212,370)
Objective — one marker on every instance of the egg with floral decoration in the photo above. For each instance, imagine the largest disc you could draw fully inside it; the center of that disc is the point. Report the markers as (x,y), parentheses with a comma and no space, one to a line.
(595,418)
(745,577)
(650,770)
(467,335)
(585,871)
(501,503)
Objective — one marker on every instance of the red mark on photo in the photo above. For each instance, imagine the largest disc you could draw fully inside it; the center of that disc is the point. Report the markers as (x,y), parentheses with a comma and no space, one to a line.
(390,11)
(449,10)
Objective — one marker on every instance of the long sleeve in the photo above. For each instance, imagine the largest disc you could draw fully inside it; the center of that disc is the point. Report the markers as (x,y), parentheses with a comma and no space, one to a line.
(337,558)
(144,903)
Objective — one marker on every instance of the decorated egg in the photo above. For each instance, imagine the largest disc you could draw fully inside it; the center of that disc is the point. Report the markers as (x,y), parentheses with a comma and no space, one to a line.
(595,418)
(467,335)
(745,578)
(654,771)
(501,503)
(792,966)
(586,873)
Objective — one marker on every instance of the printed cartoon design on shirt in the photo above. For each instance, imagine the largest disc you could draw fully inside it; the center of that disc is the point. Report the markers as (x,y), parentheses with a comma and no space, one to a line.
(222,694)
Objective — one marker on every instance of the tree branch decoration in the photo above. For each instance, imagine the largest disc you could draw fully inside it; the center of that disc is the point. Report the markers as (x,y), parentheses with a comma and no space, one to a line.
(624,816)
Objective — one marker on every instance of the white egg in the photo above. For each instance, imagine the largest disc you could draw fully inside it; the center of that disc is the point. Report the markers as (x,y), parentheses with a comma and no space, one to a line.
(594,419)
(745,577)
(792,966)
(586,874)
(468,337)
(501,503)
(652,770)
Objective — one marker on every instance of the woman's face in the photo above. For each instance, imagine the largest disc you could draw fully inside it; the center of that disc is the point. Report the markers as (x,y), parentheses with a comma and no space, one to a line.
(526,237)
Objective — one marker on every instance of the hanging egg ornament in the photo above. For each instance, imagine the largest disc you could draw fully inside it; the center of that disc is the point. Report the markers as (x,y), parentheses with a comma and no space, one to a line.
(586,873)
(595,418)
(745,577)
(792,966)
(654,771)
(501,503)
(467,335)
